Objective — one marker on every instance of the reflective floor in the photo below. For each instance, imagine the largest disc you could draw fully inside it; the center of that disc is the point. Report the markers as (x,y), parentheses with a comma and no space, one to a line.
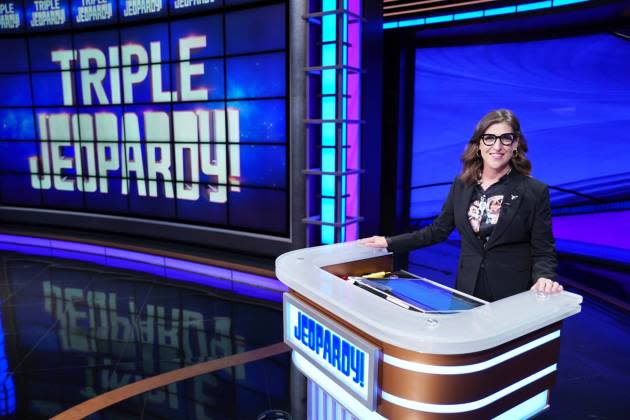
(74,330)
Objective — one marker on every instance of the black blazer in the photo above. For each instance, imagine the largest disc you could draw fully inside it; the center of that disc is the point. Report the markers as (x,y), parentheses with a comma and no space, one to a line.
(519,250)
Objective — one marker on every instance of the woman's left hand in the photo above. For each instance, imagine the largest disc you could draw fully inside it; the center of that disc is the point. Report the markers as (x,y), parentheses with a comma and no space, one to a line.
(546,285)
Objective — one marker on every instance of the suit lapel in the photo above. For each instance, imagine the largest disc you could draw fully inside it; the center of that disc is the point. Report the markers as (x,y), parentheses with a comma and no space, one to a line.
(511,203)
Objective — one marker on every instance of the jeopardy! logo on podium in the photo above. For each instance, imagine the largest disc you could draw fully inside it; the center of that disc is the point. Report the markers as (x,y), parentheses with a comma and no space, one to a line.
(340,354)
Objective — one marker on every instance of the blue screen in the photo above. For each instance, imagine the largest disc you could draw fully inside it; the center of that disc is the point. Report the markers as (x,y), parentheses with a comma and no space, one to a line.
(572,96)
(17,60)
(180,119)
(45,15)
(92,13)
(11,16)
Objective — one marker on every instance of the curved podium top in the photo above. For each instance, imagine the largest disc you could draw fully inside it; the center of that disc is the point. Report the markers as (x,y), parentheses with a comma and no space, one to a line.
(309,272)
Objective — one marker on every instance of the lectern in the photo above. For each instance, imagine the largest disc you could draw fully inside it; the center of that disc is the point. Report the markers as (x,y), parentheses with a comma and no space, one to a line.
(368,355)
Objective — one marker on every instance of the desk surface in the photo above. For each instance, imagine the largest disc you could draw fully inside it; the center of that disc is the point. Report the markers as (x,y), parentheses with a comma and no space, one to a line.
(469,331)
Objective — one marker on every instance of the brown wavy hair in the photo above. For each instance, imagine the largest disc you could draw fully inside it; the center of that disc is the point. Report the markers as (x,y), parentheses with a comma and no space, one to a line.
(471,159)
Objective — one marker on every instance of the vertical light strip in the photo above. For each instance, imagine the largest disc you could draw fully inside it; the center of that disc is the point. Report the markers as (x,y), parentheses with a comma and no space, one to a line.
(354,113)
(329,111)
(344,125)
(340,49)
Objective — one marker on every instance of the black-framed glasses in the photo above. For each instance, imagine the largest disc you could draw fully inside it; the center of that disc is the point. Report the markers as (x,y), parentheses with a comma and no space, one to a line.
(506,139)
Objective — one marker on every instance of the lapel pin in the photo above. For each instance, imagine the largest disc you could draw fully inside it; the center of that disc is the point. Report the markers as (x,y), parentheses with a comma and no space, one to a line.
(514,197)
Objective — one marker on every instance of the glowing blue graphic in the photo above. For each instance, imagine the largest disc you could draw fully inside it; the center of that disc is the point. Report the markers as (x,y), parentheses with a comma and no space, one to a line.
(131,10)
(500,11)
(439,19)
(335,351)
(41,16)
(153,80)
(187,6)
(92,13)
(412,22)
(11,16)
(533,6)
(567,2)
(468,15)
(338,353)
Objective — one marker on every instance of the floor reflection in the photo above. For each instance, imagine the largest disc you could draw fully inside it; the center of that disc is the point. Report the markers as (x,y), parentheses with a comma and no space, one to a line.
(74,330)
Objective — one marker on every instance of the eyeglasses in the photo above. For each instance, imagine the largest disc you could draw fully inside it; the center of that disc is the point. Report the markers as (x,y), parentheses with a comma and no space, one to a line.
(506,139)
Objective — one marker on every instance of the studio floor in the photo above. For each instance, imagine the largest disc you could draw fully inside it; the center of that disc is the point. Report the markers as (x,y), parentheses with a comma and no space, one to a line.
(73,330)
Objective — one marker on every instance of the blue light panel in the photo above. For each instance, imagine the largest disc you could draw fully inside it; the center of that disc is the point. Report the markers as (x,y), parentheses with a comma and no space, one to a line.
(557,3)
(468,15)
(500,11)
(533,6)
(413,22)
(439,19)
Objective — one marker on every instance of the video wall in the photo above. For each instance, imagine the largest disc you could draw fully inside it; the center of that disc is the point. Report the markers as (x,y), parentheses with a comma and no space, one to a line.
(572,96)
(167,110)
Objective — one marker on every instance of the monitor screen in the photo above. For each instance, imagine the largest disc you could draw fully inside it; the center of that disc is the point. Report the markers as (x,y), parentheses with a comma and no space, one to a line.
(424,295)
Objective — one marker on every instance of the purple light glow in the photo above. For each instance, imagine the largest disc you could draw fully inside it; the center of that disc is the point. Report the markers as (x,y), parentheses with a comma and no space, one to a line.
(609,229)
(257,292)
(26,249)
(73,246)
(268,283)
(134,256)
(354,113)
(194,267)
(251,285)
(25,240)
(601,252)
(135,266)
(75,255)
(216,283)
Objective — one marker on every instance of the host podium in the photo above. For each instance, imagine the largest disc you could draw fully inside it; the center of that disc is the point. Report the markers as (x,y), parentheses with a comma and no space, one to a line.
(367,355)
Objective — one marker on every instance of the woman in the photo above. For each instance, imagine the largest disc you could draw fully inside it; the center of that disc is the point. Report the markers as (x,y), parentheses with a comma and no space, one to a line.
(501,213)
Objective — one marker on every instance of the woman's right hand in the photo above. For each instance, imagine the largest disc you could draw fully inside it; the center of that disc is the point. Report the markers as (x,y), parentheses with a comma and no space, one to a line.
(374,242)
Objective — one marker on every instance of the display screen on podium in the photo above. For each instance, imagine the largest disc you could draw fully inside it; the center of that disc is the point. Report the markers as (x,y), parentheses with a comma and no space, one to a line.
(419,294)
